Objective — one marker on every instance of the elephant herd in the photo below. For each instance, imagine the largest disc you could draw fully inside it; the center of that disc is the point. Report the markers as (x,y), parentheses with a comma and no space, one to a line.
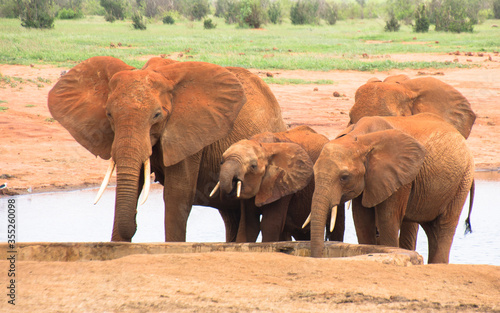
(214,136)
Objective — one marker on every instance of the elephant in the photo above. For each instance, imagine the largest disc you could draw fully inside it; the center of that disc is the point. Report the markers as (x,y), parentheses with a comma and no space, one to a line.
(271,175)
(398,95)
(413,168)
(173,119)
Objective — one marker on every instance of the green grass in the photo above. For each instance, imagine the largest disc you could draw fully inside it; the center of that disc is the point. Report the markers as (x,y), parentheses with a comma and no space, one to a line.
(276,47)
(2,109)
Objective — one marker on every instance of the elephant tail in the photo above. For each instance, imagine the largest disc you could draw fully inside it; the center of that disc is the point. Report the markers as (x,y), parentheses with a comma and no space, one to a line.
(468,228)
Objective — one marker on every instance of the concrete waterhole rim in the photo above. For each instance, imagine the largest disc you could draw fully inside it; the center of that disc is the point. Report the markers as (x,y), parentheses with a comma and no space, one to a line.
(103,251)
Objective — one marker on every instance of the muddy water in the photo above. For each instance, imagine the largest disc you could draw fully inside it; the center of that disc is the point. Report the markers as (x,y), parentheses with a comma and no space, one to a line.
(71,217)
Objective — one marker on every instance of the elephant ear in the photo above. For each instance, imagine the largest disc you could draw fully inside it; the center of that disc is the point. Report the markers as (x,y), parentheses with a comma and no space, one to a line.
(206,99)
(435,96)
(78,102)
(157,62)
(289,170)
(396,79)
(394,160)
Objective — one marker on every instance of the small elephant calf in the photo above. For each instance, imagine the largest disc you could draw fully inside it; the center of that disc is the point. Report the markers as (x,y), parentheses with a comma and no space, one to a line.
(271,175)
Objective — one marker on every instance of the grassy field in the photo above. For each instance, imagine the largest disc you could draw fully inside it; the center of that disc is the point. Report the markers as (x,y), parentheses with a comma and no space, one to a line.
(275,47)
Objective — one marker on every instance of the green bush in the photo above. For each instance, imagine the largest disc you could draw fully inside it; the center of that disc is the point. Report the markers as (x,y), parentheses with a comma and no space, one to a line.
(453,16)
(251,13)
(496,9)
(36,14)
(197,9)
(9,9)
(168,19)
(138,21)
(69,14)
(115,9)
(421,20)
(274,12)
(304,12)
(392,25)
(228,9)
(208,24)
(330,13)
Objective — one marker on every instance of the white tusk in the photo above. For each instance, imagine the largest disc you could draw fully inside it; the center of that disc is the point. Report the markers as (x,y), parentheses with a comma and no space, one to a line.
(349,204)
(333,218)
(308,219)
(238,191)
(215,189)
(147,182)
(105,181)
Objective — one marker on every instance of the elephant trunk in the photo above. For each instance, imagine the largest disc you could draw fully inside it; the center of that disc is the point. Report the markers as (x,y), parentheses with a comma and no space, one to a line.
(228,177)
(322,202)
(129,163)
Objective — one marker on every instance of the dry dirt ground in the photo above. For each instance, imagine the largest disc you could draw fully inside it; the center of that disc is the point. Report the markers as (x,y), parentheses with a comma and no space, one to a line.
(38,155)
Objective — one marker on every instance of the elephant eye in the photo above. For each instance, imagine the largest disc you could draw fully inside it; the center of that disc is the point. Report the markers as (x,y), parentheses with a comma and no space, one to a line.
(253,166)
(344,177)
(157,115)
(108,115)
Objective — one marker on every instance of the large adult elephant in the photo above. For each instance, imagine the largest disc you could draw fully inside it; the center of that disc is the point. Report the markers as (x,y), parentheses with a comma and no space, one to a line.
(417,168)
(271,175)
(399,95)
(171,118)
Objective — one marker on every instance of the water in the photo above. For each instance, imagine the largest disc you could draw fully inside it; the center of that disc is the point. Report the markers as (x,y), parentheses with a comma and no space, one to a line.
(72,217)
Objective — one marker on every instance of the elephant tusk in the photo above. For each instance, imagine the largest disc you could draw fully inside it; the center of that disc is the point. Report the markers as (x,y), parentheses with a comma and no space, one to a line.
(147,182)
(349,204)
(238,191)
(333,218)
(215,189)
(105,181)
(308,220)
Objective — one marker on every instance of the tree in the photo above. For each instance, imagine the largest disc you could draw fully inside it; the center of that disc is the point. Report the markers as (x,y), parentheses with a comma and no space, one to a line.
(115,9)
(252,13)
(421,20)
(496,8)
(362,5)
(36,13)
(198,9)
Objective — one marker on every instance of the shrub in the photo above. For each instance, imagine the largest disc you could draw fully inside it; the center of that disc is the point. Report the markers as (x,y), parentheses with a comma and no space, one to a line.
(304,12)
(421,20)
(330,13)
(68,14)
(198,9)
(496,9)
(37,14)
(252,13)
(9,9)
(274,12)
(168,19)
(115,9)
(208,24)
(138,21)
(228,9)
(452,16)
(392,25)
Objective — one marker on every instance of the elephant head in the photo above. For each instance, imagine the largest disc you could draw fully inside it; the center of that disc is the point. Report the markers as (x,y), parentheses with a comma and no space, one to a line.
(267,171)
(119,112)
(401,96)
(367,162)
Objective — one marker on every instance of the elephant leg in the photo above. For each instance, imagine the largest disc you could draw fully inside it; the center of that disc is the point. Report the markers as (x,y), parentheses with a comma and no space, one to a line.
(364,222)
(231,218)
(389,216)
(273,219)
(249,227)
(179,193)
(408,235)
(440,237)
